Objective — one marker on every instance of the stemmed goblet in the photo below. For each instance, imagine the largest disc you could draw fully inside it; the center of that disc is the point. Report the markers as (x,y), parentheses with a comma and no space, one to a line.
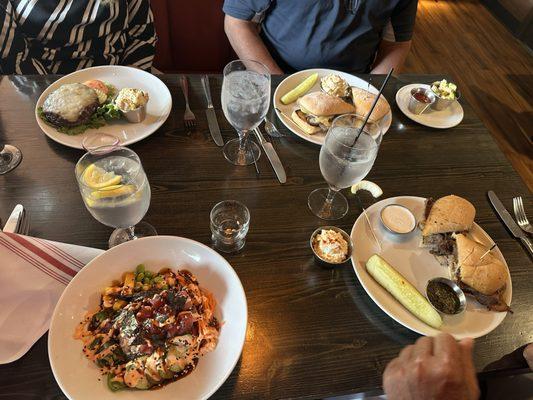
(245,101)
(346,157)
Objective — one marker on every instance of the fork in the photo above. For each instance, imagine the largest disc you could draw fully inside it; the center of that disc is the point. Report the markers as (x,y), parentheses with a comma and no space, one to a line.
(520,215)
(188,117)
(23,223)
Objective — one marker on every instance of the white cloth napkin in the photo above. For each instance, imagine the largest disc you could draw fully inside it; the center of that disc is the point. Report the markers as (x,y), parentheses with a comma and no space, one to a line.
(33,274)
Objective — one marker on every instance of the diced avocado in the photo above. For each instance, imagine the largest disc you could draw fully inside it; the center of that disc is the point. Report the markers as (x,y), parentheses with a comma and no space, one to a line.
(135,374)
(176,358)
(155,366)
(115,383)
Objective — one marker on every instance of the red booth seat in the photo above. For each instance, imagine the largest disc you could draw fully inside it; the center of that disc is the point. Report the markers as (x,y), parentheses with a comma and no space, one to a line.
(191,36)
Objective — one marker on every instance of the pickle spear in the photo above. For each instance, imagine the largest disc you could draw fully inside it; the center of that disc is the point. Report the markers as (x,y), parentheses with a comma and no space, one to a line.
(403,291)
(299,90)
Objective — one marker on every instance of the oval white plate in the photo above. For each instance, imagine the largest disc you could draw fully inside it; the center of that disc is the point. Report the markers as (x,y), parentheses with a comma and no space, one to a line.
(294,80)
(447,118)
(417,265)
(157,109)
(78,377)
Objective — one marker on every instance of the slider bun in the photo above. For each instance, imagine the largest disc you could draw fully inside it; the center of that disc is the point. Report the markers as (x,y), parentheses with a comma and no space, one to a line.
(487,275)
(363,101)
(303,125)
(322,104)
(449,214)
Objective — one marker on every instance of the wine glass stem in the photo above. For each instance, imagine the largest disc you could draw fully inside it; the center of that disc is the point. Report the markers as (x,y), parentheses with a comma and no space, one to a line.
(131,233)
(243,139)
(326,207)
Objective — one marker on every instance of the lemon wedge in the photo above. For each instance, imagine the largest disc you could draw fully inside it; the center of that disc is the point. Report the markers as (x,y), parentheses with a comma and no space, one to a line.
(97,178)
(371,187)
(113,191)
(300,90)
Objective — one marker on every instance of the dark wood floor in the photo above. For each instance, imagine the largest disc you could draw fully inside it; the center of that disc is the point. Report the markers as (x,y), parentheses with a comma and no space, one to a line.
(493,70)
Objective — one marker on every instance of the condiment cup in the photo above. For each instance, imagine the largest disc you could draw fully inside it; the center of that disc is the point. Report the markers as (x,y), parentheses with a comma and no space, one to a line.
(441,104)
(390,229)
(328,264)
(419,107)
(135,116)
(457,290)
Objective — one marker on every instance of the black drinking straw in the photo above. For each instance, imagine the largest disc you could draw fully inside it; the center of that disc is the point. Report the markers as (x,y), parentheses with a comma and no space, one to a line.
(373,106)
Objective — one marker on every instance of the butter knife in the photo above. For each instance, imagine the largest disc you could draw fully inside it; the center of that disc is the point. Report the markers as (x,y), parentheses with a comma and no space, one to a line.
(509,221)
(13,220)
(210,112)
(272,156)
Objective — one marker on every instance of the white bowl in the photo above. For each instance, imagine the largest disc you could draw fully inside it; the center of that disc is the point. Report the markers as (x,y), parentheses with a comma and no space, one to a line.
(78,377)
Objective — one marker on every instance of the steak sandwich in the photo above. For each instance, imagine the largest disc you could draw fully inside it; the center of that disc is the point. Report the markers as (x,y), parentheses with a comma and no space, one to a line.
(444,217)
(480,274)
(317,110)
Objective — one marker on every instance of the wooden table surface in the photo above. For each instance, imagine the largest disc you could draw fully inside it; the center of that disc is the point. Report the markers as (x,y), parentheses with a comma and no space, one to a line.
(312,332)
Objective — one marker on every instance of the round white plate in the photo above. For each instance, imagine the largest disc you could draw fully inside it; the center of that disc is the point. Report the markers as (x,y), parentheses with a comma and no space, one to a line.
(78,377)
(447,118)
(417,265)
(294,80)
(157,109)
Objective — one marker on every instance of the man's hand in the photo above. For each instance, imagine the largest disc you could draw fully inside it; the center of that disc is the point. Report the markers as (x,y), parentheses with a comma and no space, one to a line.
(433,368)
(245,40)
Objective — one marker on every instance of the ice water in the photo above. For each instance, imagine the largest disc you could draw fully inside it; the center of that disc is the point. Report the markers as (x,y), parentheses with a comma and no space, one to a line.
(122,211)
(245,99)
(343,166)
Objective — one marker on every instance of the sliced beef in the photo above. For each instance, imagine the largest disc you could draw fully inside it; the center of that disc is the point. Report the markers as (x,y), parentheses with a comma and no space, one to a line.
(493,302)
(440,244)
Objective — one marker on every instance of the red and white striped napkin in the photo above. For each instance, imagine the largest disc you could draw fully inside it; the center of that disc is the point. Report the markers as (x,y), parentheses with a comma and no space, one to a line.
(33,274)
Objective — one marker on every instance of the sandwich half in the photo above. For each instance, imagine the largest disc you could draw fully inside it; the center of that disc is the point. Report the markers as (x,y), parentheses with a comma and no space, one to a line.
(363,100)
(482,278)
(444,217)
(317,110)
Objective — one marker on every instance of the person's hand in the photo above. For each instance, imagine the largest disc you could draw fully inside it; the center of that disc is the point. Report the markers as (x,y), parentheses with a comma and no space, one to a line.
(528,355)
(433,368)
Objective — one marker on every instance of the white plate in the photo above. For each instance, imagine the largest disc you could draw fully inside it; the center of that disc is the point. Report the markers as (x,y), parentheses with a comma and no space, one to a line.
(78,377)
(417,265)
(447,118)
(157,109)
(294,80)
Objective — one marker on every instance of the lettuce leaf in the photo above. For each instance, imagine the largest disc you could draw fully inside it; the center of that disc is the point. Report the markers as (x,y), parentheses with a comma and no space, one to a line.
(106,112)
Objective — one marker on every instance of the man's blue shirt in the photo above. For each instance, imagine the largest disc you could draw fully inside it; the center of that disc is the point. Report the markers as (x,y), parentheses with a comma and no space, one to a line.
(339,34)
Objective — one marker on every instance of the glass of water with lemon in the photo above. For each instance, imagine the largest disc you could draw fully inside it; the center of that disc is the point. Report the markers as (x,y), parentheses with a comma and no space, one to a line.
(116,191)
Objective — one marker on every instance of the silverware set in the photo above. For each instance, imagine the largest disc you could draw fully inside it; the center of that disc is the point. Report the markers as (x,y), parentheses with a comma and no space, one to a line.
(520,230)
(189,120)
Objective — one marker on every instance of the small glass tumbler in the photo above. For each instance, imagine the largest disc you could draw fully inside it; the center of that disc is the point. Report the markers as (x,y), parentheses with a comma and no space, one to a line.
(230,221)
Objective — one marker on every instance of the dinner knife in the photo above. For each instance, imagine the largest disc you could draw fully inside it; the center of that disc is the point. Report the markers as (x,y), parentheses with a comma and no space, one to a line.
(509,221)
(272,156)
(210,112)
(12,221)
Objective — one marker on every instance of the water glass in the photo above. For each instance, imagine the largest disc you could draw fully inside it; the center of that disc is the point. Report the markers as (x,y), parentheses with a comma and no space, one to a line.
(245,100)
(10,158)
(230,221)
(116,191)
(346,157)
